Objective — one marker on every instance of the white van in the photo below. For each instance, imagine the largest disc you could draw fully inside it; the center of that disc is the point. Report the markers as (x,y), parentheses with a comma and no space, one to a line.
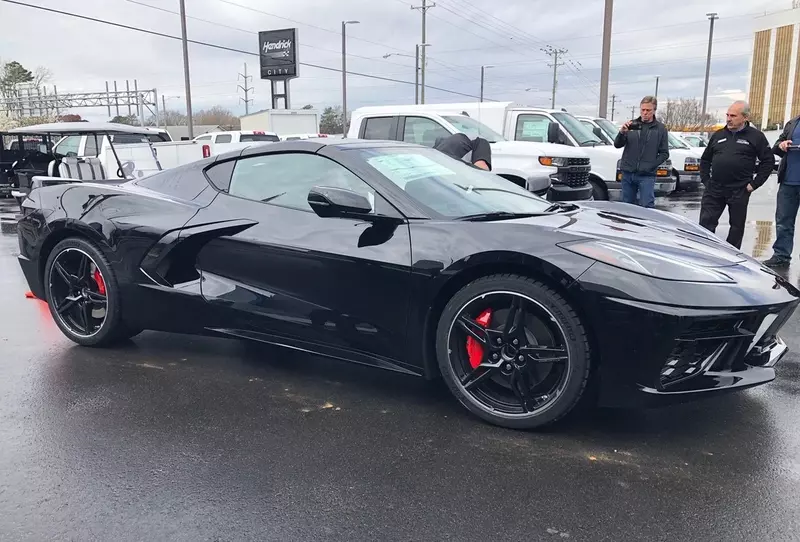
(685,159)
(557,172)
(519,123)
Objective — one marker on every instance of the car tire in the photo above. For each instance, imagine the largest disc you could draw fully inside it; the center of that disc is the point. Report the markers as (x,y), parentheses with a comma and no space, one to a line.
(112,329)
(550,302)
(599,192)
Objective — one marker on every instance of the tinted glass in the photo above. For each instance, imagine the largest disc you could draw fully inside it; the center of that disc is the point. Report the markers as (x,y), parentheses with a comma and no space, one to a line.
(578,131)
(449,187)
(472,128)
(220,175)
(227,138)
(608,127)
(204,138)
(532,128)
(93,145)
(259,137)
(182,182)
(378,128)
(423,131)
(285,179)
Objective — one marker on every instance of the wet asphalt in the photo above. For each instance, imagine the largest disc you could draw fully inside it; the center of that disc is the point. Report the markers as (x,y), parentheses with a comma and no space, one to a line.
(179,438)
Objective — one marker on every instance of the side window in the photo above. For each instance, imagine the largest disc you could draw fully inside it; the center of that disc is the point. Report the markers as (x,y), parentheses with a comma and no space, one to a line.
(378,128)
(225,138)
(93,145)
(285,179)
(588,124)
(531,128)
(70,144)
(204,138)
(423,131)
(220,175)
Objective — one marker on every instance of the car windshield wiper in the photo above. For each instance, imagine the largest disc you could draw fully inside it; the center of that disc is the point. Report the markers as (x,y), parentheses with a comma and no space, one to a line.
(496,215)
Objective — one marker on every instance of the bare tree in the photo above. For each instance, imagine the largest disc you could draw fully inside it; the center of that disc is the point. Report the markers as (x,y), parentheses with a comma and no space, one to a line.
(218,116)
(685,114)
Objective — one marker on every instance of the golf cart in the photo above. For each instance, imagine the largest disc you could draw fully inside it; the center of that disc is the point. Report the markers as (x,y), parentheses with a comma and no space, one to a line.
(29,157)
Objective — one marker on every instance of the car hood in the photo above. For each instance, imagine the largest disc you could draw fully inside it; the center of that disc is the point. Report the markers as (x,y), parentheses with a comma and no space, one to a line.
(666,233)
(532,148)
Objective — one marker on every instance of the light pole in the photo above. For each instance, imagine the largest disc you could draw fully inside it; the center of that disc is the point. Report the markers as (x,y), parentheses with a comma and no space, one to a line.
(186,70)
(657,78)
(416,71)
(605,63)
(421,65)
(344,75)
(483,72)
(711,17)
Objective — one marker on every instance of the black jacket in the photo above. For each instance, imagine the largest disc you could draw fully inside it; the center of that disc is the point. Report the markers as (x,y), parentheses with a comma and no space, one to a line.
(788,130)
(730,159)
(645,149)
(461,147)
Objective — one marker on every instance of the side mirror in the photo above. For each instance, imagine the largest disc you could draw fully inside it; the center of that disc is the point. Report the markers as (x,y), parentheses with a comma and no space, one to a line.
(598,132)
(553,133)
(330,202)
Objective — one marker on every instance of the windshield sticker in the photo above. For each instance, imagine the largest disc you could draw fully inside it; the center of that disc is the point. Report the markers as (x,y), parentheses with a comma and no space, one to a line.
(533,129)
(404,168)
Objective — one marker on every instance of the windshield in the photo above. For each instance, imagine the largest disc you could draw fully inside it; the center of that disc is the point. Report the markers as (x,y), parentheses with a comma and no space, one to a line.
(447,186)
(577,130)
(473,128)
(608,127)
(675,143)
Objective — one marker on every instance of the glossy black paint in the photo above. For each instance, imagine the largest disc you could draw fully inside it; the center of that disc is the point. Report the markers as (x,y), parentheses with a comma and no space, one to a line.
(193,259)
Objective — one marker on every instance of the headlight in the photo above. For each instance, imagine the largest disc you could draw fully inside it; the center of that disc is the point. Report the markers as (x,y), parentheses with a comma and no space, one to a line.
(691,164)
(553,161)
(645,262)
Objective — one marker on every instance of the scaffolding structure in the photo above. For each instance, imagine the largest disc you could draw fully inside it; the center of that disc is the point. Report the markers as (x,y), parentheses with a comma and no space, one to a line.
(39,102)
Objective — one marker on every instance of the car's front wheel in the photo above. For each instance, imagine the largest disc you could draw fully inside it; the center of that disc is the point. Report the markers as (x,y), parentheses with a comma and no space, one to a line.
(83,295)
(513,351)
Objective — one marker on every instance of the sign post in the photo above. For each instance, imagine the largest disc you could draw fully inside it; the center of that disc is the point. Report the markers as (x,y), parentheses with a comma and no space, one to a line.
(279,61)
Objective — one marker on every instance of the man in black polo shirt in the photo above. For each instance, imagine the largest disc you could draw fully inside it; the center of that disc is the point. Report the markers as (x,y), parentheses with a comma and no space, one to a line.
(727,168)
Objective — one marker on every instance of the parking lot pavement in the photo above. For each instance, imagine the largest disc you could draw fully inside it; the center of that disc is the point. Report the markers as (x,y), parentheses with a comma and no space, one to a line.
(180,438)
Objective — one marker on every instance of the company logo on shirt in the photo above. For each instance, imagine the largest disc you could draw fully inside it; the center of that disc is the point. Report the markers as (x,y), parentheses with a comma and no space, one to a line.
(724,139)
(743,141)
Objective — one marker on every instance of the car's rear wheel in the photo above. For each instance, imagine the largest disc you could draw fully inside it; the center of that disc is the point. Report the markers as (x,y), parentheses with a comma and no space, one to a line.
(83,294)
(513,351)
(599,191)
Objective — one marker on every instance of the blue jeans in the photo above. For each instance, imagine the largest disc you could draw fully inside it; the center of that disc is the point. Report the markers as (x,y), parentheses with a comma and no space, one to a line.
(645,185)
(785,214)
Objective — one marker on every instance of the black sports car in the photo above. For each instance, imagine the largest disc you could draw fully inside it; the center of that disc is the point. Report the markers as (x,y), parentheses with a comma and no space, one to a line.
(397,256)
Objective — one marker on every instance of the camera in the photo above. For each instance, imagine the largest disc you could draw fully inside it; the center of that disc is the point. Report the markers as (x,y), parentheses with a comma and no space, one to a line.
(635,125)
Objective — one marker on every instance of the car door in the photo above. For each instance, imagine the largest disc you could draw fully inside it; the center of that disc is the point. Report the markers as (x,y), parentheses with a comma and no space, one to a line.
(342,283)
(531,127)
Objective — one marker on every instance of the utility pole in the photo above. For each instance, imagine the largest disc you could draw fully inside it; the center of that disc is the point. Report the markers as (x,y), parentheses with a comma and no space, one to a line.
(187,80)
(613,106)
(633,112)
(483,75)
(711,17)
(555,53)
(416,77)
(424,9)
(246,90)
(606,61)
(344,74)
(656,94)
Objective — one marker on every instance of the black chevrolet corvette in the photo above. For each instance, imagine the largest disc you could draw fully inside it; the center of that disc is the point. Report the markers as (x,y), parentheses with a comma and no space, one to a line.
(399,257)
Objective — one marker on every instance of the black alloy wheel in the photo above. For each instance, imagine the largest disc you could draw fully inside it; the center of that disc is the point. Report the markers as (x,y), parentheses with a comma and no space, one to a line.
(81,291)
(513,351)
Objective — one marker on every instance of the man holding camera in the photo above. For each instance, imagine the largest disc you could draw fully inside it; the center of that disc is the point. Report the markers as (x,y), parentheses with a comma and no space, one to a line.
(646,147)
(787,147)
(727,167)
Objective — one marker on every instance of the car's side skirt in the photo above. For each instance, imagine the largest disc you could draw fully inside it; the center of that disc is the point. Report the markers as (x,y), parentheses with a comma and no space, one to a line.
(352,356)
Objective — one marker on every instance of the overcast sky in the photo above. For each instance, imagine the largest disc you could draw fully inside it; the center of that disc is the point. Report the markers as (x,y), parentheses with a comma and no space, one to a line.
(665,38)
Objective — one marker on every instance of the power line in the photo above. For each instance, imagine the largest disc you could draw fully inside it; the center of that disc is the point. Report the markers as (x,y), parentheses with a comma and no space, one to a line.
(223,47)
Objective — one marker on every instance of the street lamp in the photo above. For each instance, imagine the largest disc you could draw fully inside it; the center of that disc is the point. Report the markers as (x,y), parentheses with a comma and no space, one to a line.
(344,75)
(483,71)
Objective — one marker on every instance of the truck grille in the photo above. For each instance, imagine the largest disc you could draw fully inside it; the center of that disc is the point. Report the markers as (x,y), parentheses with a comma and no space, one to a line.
(577,161)
(575,174)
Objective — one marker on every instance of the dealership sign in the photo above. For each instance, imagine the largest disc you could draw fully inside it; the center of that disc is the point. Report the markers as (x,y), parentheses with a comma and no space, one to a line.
(278,53)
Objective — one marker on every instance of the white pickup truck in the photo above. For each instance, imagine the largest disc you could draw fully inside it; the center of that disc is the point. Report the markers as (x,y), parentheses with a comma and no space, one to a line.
(519,123)
(685,159)
(556,172)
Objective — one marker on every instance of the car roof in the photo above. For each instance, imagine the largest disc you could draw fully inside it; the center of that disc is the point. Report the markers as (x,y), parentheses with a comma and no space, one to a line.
(76,128)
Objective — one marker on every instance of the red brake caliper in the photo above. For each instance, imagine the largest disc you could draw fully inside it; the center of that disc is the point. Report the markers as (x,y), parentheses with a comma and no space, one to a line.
(474,348)
(101,285)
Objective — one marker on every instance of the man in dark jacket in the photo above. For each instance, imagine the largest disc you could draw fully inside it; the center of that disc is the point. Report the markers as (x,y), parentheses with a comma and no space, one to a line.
(726,169)
(646,147)
(787,147)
